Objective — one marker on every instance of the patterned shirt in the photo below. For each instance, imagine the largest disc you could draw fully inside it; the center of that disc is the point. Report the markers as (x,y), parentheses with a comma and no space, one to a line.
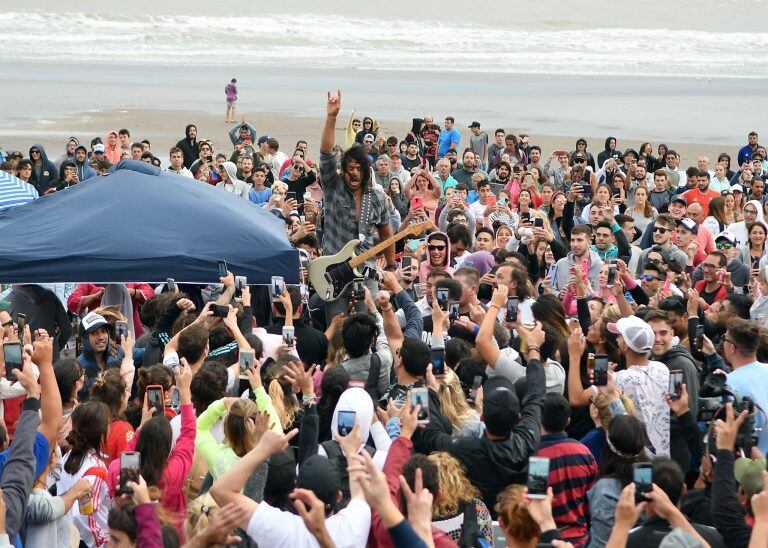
(646,385)
(339,208)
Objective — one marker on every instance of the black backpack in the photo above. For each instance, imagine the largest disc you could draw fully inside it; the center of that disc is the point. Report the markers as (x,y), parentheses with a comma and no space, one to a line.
(372,384)
(333,451)
(470,531)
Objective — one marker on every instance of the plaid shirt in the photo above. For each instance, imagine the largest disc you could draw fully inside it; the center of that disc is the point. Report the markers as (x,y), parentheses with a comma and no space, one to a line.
(339,207)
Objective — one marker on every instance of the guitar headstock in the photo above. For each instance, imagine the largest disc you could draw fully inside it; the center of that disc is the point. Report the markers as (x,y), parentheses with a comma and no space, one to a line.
(417,226)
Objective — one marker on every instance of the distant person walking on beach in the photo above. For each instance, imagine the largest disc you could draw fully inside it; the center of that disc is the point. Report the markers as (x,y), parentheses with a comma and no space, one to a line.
(231,91)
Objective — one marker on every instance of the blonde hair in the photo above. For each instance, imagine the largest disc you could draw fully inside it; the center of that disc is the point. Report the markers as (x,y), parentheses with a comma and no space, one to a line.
(279,187)
(236,431)
(547,227)
(454,489)
(514,517)
(336,350)
(452,401)
(285,403)
(199,513)
(601,404)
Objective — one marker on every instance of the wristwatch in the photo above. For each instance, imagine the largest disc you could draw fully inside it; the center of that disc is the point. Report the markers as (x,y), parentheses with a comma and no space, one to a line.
(390,268)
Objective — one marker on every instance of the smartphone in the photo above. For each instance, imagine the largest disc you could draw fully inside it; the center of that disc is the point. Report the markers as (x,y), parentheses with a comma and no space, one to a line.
(491,199)
(437,357)
(278,286)
(240,283)
(442,298)
(345,422)
(247,360)
(156,397)
(12,356)
(372,274)
(538,222)
(512,304)
(219,310)
(611,275)
(667,284)
(675,384)
(538,477)
(477,382)
(699,336)
(525,216)
(585,268)
(175,399)
(406,262)
(420,396)
(601,369)
(417,202)
(552,272)
(453,311)
(130,467)
(642,476)
(222,264)
(21,322)
(616,191)
(289,335)
(121,329)
(290,196)
(170,283)
(358,290)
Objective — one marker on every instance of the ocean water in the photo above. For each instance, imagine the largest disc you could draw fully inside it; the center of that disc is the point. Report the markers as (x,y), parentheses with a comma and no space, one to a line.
(678,39)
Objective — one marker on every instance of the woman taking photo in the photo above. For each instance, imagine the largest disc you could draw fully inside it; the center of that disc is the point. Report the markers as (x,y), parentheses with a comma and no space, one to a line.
(90,423)
(643,211)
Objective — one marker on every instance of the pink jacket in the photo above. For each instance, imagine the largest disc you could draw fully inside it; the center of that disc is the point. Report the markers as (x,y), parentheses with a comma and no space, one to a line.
(176,469)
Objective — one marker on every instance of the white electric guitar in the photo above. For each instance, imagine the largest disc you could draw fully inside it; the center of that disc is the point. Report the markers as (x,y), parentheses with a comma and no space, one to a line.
(331,275)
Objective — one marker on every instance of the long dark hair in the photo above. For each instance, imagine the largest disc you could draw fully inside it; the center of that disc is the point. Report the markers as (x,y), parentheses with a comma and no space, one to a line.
(549,310)
(67,372)
(627,435)
(358,155)
(90,423)
(154,444)
(334,383)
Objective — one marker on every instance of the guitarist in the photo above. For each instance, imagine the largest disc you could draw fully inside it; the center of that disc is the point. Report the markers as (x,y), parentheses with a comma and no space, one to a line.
(353,209)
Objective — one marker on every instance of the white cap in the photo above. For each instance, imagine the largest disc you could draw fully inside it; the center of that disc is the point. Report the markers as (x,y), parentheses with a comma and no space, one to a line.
(637,333)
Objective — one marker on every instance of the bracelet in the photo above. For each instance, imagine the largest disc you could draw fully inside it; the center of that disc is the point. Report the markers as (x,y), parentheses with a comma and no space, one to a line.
(533,347)
(308,399)
(387,309)
(492,304)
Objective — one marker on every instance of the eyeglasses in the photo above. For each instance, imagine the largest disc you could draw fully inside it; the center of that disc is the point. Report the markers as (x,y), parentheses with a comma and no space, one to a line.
(708,265)
(436,247)
(660,230)
(726,339)
(751,211)
(723,245)
(297,166)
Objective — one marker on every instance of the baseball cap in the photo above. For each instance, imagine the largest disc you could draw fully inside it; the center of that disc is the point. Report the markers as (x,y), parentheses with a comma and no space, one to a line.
(262,139)
(679,198)
(636,333)
(749,474)
(91,322)
(5,306)
(688,224)
(579,155)
(320,475)
(501,405)
(726,235)
(369,137)
(737,188)
(98,148)
(474,124)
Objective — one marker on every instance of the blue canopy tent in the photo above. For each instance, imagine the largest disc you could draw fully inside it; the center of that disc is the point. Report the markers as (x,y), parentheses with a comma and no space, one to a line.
(141,225)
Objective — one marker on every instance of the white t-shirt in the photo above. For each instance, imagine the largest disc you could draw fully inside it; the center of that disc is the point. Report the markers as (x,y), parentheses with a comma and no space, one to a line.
(277,529)
(646,385)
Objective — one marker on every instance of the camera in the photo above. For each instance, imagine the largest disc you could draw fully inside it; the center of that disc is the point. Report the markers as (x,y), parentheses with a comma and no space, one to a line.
(713,396)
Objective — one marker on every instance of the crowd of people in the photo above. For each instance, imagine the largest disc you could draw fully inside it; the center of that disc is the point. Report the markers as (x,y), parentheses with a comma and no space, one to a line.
(598,317)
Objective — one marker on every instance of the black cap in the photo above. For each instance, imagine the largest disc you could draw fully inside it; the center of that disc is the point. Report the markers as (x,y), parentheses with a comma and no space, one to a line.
(319,475)
(501,406)
(474,124)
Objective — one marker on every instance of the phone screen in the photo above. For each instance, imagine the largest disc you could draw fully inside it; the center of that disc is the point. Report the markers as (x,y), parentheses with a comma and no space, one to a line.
(345,422)
(419,396)
(155,397)
(601,370)
(476,384)
(611,280)
(121,329)
(675,384)
(278,286)
(512,303)
(442,298)
(130,466)
(222,269)
(538,222)
(12,355)
(453,311)
(171,284)
(247,358)
(538,476)
(699,336)
(219,310)
(358,290)
(642,476)
(406,262)
(437,357)
(289,338)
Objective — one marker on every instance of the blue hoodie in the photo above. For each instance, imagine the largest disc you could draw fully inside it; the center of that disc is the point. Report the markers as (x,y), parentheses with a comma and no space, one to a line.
(84,170)
(47,171)
(88,360)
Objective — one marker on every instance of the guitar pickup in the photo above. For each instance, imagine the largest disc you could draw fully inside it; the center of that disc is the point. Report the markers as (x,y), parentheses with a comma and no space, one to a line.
(329,278)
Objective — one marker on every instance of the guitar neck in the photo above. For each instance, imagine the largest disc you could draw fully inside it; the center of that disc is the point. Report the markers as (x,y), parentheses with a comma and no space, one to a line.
(356,261)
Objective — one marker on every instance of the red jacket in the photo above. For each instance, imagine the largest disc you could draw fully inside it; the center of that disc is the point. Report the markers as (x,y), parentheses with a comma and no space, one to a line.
(721,293)
(399,452)
(75,301)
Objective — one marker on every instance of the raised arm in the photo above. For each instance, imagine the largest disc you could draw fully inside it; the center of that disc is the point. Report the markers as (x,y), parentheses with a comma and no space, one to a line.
(51,397)
(332,111)
(484,340)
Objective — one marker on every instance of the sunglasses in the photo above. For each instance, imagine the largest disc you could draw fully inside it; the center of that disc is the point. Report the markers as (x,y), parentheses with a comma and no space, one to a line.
(660,230)
(436,247)
(579,161)
(649,277)
(723,245)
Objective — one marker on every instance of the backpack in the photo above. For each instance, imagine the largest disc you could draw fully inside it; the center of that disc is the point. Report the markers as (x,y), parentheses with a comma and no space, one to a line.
(335,455)
(194,481)
(470,531)
(374,370)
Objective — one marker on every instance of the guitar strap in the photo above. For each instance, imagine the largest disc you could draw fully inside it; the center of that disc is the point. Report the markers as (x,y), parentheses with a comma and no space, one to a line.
(364,221)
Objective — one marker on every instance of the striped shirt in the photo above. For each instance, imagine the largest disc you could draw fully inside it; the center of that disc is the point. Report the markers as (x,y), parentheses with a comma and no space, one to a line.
(15,192)
(572,472)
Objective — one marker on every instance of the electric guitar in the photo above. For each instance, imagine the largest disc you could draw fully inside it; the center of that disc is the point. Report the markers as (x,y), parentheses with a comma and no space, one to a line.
(331,275)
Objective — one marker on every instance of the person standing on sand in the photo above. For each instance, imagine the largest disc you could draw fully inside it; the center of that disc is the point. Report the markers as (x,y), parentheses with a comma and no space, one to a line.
(231,91)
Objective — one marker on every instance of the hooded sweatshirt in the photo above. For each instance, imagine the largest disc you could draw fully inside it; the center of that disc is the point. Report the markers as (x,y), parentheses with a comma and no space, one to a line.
(113,153)
(427,266)
(84,170)
(564,266)
(740,229)
(67,156)
(43,174)
(188,146)
(60,183)
(235,185)
(606,153)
